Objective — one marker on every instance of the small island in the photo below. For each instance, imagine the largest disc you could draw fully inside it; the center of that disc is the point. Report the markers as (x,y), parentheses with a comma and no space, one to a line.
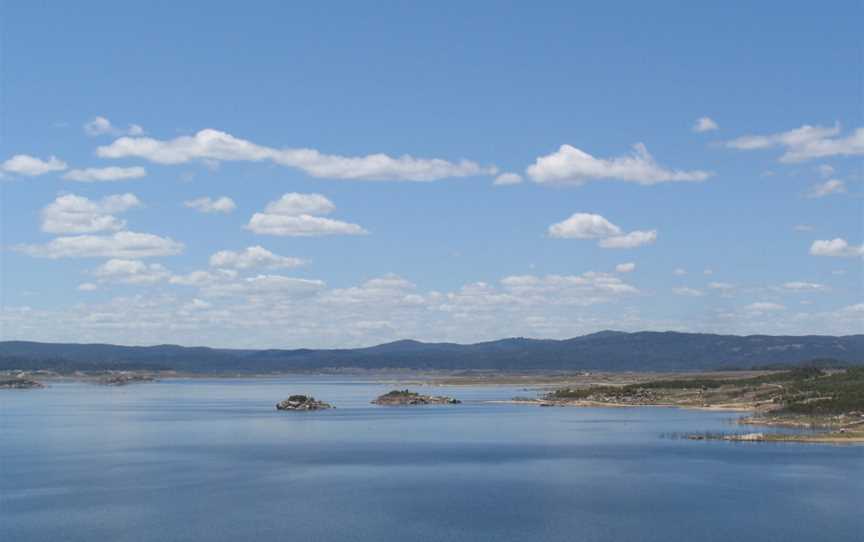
(406,397)
(302,402)
(124,379)
(19,384)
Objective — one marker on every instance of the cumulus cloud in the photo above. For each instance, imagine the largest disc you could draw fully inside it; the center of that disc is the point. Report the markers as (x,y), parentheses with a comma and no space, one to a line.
(584,226)
(220,307)
(76,214)
(301,226)
(831,186)
(102,126)
(705,124)
(633,239)
(722,286)
(572,166)
(254,256)
(684,290)
(30,166)
(825,170)
(507,179)
(680,272)
(294,204)
(587,288)
(594,226)
(805,143)
(628,267)
(764,306)
(123,244)
(131,272)
(264,285)
(801,286)
(222,204)
(217,146)
(838,247)
(105,174)
(295,215)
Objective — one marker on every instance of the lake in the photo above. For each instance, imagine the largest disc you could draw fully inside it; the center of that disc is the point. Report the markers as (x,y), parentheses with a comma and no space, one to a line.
(211,459)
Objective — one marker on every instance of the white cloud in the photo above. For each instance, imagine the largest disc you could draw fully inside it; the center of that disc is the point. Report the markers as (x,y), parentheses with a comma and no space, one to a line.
(87,287)
(633,239)
(105,174)
(24,164)
(264,285)
(628,267)
(294,215)
(103,126)
(585,289)
(294,204)
(573,166)
(825,170)
(508,179)
(683,290)
(837,247)
(705,124)
(123,244)
(255,256)
(301,226)
(801,286)
(803,227)
(584,226)
(131,272)
(198,304)
(77,214)
(594,226)
(203,279)
(805,143)
(222,204)
(722,286)
(214,145)
(221,308)
(831,186)
(708,272)
(680,272)
(764,306)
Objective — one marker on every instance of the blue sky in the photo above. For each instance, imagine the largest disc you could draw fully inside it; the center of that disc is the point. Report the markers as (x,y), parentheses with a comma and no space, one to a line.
(385,127)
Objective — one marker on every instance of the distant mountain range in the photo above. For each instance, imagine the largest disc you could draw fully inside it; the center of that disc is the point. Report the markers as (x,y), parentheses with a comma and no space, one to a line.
(606,350)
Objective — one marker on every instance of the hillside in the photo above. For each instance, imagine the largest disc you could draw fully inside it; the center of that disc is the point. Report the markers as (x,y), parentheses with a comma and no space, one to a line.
(607,350)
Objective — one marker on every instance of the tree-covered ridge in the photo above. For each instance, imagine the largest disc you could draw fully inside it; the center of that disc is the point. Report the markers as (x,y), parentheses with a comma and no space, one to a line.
(604,351)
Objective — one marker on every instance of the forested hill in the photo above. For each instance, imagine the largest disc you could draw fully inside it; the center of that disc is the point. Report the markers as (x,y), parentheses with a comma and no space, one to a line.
(606,350)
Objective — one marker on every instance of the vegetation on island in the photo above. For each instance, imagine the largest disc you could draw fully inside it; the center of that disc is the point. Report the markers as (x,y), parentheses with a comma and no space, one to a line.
(302,402)
(799,397)
(408,397)
(19,384)
(809,391)
(124,379)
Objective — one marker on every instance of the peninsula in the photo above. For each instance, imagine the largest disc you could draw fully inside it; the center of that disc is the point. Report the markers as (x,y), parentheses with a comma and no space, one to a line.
(831,400)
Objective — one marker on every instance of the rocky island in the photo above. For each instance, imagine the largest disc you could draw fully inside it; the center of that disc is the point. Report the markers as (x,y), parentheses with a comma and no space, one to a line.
(302,402)
(406,397)
(124,379)
(19,384)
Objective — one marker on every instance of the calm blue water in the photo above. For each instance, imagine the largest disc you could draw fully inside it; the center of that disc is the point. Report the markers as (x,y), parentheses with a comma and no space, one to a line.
(212,460)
